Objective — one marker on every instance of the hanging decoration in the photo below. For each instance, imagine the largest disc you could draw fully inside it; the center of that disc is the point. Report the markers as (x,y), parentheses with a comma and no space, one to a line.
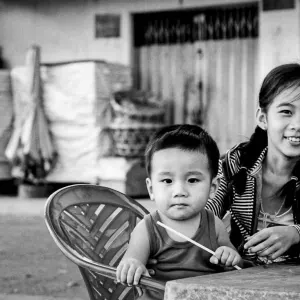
(188,26)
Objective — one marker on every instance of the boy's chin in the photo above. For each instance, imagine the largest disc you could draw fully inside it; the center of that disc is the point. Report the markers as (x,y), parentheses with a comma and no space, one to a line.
(183,217)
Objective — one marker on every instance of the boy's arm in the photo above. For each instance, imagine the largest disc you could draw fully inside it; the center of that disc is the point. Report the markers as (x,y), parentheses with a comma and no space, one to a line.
(222,234)
(226,254)
(139,245)
(132,265)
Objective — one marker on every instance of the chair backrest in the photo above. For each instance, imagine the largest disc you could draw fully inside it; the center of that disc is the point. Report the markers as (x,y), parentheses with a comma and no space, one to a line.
(91,225)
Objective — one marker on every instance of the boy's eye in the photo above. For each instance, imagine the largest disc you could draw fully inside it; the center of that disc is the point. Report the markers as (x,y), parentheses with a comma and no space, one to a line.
(193,180)
(167,180)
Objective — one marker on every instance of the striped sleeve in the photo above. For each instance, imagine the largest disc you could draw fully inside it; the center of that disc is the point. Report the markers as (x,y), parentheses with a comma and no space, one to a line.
(295,249)
(219,204)
(297,228)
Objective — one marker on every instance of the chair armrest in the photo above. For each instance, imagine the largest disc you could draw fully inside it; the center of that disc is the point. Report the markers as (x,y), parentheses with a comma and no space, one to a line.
(102,269)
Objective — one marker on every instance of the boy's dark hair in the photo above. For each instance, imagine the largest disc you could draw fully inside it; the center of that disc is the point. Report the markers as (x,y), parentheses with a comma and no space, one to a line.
(277,80)
(185,137)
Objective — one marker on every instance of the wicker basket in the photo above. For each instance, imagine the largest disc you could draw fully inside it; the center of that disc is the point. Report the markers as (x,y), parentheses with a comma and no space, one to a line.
(137,107)
(131,140)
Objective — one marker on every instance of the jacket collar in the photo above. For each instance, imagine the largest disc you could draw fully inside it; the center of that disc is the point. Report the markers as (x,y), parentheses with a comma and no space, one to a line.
(256,166)
(258,163)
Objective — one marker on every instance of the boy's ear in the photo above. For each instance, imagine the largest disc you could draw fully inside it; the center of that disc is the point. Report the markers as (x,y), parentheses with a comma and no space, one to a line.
(214,186)
(261,119)
(149,188)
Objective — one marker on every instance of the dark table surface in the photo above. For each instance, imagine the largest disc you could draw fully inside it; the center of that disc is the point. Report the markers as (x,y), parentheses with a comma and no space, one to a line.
(269,282)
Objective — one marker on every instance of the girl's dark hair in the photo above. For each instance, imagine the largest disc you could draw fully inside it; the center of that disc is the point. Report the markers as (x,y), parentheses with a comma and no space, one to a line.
(277,80)
(186,137)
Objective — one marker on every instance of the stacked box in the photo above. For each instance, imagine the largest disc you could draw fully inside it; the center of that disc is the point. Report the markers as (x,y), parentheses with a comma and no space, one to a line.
(76,98)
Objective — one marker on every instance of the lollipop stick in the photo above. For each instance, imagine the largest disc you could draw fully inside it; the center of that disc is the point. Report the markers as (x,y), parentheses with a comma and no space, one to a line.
(190,240)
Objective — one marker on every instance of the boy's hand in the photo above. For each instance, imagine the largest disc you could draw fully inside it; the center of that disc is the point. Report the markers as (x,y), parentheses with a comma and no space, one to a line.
(150,264)
(130,270)
(226,256)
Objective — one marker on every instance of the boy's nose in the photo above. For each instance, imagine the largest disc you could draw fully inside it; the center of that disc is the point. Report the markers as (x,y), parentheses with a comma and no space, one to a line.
(179,190)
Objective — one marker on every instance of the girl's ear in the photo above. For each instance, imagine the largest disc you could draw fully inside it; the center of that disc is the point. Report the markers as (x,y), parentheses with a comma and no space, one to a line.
(214,186)
(149,188)
(261,119)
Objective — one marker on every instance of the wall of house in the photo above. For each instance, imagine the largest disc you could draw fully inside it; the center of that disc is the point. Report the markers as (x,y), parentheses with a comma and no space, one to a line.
(279,38)
(65,28)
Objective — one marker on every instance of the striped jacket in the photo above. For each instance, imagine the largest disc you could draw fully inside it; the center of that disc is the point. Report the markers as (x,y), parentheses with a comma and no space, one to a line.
(243,209)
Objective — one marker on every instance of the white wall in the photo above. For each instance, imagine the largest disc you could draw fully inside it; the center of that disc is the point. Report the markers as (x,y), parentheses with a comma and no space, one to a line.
(279,38)
(65,28)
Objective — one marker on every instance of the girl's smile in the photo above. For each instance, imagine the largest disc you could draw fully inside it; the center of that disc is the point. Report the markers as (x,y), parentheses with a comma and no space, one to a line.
(282,122)
(293,140)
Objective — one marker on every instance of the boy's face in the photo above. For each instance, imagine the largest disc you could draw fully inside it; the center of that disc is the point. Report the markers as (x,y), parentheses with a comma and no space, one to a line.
(180,183)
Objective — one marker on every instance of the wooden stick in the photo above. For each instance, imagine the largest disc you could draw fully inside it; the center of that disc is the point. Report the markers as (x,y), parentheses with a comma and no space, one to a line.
(190,240)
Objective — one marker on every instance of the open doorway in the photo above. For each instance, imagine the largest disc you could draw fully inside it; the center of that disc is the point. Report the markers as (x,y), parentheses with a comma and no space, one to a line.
(204,62)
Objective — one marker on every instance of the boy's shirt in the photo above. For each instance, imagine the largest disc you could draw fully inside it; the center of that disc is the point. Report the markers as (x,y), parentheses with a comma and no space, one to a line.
(182,259)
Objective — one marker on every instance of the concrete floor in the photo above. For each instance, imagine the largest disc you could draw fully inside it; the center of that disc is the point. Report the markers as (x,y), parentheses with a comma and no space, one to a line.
(35,206)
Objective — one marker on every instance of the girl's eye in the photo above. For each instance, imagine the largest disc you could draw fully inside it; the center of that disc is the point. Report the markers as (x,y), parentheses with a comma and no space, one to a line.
(286,112)
(193,180)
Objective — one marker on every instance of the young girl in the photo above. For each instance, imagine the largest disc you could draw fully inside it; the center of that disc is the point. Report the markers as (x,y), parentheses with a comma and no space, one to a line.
(260,178)
(182,164)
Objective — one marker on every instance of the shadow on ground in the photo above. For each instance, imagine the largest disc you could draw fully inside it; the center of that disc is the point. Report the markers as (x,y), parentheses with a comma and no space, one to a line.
(31,263)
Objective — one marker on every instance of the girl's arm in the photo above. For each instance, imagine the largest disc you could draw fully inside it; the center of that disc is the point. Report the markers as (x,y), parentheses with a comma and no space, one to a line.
(219,204)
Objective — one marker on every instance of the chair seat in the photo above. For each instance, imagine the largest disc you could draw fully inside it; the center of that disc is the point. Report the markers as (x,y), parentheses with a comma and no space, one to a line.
(92,225)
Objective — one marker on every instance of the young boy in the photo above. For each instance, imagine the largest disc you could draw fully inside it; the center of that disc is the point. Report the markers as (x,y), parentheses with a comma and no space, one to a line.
(182,165)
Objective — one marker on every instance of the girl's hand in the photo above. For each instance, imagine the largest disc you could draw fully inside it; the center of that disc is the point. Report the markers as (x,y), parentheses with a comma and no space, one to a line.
(272,242)
(226,256)
(130,270)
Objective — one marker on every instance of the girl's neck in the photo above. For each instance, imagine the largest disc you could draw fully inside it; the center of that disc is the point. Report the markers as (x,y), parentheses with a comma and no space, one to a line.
(276,172)
(279,166)
(187,227)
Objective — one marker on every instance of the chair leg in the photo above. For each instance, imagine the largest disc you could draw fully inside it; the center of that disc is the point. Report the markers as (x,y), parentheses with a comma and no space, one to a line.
(87,283)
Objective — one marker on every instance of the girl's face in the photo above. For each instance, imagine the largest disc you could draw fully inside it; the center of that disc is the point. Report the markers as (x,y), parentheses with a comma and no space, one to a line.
(282,122)
(180,183)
